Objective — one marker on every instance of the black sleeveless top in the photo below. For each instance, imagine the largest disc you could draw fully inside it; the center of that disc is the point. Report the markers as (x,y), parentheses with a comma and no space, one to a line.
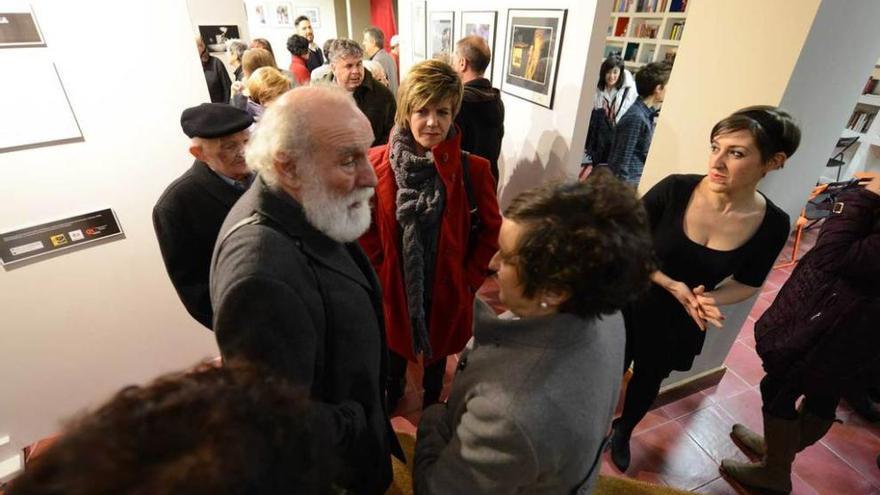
(660,329)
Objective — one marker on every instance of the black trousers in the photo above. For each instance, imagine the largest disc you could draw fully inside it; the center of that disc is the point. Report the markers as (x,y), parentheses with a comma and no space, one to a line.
(780,392)
(641,392)
(432,381)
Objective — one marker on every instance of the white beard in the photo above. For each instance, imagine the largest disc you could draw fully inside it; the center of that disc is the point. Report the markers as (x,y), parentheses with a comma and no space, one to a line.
(333,215)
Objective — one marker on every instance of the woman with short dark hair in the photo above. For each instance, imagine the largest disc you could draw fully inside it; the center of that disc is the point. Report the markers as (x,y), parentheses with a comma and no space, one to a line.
(716,238)
(534,394)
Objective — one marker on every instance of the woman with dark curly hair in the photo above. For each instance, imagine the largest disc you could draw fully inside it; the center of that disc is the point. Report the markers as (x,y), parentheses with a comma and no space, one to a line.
(715,238)
(534,395)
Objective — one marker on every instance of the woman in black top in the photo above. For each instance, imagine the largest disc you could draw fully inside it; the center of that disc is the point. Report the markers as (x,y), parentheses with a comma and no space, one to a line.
(716,238)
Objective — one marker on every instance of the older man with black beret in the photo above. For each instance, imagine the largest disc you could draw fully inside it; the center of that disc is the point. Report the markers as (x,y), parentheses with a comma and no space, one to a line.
(188,215)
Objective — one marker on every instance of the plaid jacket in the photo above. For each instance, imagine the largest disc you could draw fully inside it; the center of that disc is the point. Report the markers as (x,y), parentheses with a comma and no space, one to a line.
(632,139)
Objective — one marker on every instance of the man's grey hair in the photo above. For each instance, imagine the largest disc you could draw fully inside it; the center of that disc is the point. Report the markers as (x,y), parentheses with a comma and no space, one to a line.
(284,131)
(377,36)
(236,49)
(345,48)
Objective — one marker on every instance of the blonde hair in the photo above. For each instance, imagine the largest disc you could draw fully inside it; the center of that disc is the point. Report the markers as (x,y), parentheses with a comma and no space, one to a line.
(254,58)
(266,84)
(430,82)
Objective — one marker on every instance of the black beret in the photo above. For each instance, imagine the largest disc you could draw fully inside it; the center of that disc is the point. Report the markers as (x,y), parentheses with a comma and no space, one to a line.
(214,120)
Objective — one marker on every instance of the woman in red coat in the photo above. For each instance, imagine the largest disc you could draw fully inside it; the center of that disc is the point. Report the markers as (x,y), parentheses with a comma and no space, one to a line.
(429,260)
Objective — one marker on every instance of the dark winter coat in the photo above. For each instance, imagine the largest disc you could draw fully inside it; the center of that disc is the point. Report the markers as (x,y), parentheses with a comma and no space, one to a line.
(187,218)
(481,120)
(309,308)
(824,326)
(378,104)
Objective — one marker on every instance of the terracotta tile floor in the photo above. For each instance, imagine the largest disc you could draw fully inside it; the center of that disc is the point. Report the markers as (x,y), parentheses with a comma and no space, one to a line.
(681,443)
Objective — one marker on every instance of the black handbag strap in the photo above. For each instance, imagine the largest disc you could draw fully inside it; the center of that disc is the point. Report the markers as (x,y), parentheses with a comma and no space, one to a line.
(476,223)
(258,219)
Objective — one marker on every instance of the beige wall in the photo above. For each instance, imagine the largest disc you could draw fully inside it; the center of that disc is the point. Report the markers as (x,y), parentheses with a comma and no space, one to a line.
(730,57)
(359,11)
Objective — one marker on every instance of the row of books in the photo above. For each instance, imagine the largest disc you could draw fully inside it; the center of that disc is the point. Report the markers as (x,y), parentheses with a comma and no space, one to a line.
(651,6)
(646,31)
(678,6)
(621,5)
(677,30)
(860,121)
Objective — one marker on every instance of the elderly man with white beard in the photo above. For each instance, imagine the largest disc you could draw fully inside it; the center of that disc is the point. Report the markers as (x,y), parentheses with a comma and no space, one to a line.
(291,288)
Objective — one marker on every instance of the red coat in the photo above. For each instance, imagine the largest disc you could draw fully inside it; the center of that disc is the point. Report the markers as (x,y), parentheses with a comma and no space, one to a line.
(458,274)
(299,70)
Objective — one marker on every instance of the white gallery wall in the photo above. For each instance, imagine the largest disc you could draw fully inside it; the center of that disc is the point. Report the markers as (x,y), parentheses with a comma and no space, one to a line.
(540,144)
(76,327)
(276,34)
(219,13)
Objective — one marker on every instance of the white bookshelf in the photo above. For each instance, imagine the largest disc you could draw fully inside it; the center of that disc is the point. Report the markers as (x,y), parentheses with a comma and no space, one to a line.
(864,156)
(644,31)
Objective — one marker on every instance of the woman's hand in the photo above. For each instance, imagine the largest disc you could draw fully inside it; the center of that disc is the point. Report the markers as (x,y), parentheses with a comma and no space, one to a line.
(708,307)
(689,300)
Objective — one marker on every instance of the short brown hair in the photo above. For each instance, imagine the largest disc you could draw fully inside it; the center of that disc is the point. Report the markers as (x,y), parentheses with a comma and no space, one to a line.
(476,51)
(590,240)
(429,82)
(266,84)
(774,130)
(254,58)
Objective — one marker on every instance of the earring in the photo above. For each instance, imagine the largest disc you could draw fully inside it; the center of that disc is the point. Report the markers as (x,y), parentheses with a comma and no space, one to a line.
(543,304)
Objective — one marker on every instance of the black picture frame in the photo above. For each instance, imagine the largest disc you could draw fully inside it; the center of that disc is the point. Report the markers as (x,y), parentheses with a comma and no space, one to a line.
(526,76)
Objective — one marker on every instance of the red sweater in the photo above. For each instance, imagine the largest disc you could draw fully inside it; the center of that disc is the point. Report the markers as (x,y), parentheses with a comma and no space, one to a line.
(299,70)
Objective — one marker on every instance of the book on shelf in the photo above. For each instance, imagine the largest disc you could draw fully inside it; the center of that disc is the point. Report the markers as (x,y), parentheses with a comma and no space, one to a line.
(648,53)
(621,5)
(861,121)
(631,50)
(669,56)
(870,86)
(646,30)
(650,6)
(678,5)
(620,28)
(675,33)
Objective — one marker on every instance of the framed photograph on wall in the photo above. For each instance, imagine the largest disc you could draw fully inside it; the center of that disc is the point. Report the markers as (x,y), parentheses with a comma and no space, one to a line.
(418,30)
(481,24)
(282,14)
(259,14)
(19,29)
(531,54)
(313,13)
(215,37)
(441,29)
